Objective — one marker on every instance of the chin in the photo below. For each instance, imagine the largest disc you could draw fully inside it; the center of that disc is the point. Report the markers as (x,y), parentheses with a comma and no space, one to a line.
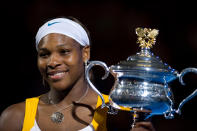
(60,86)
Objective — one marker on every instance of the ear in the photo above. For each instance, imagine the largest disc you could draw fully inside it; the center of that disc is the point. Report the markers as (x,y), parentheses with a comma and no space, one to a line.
(86,53)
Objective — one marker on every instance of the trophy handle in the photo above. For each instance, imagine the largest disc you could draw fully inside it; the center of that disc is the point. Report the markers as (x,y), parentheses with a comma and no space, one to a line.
(193,94)
(89,66)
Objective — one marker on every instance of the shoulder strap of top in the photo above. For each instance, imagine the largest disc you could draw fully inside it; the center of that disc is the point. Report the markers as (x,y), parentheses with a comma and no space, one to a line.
(100,116)
(30,113)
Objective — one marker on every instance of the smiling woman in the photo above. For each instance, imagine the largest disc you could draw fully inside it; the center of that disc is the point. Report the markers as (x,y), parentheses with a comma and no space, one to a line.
(63,50)
(61,60)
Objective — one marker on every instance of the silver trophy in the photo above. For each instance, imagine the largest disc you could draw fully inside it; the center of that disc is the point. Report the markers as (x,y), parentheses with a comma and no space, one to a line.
(141,81)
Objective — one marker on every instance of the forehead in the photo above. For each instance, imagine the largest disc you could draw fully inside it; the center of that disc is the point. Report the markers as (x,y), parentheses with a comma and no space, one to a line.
(55,39)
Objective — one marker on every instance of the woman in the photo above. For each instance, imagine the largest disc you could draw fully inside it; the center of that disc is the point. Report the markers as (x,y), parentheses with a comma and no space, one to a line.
(63,50)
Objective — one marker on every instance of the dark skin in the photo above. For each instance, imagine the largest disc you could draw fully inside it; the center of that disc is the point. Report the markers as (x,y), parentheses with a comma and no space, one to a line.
(61,63)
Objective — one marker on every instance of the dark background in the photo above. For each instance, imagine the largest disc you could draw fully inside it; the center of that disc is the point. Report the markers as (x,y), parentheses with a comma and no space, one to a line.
(112,28)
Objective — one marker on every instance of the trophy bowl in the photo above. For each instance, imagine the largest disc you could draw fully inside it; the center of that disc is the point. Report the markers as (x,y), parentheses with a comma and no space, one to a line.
(141,81)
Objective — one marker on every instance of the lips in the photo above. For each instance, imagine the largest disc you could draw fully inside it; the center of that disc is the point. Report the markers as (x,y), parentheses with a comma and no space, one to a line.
(56,75)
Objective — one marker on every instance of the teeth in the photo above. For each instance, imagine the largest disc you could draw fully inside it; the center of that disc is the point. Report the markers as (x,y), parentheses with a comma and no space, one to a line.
(58,74)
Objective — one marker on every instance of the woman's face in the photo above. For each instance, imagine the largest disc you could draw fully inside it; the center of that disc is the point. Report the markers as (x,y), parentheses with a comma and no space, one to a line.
(61,60)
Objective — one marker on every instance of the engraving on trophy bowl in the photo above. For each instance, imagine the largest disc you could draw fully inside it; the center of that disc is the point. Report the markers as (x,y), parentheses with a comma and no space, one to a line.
(132,93)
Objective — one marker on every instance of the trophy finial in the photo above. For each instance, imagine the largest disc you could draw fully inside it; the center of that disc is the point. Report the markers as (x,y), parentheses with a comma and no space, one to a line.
(146,37)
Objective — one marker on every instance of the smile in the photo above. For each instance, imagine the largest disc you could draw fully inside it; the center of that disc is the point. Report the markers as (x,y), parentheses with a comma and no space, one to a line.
(56,75)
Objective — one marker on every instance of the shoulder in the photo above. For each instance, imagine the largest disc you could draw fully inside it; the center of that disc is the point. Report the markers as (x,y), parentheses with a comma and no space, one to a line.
(12,117)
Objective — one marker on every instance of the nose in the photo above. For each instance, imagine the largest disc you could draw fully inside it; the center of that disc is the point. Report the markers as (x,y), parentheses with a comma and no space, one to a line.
(54,61)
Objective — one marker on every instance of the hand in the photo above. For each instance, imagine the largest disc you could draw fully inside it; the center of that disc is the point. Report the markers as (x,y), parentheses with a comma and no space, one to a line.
(143,126)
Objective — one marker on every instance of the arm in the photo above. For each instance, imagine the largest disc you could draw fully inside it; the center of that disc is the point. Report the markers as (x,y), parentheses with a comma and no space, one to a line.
(12,118)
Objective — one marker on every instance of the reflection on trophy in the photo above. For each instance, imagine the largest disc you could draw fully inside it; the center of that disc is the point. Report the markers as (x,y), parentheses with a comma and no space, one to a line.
(141,81)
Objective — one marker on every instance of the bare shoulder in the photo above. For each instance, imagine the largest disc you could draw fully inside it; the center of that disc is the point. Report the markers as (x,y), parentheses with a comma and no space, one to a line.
(11,118)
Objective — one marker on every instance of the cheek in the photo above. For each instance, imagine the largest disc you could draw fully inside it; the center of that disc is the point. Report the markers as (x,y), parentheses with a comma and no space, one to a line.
(41,66)
(76,63)
(75,59)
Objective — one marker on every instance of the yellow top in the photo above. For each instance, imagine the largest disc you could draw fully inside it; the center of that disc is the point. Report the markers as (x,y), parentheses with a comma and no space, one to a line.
(98,122)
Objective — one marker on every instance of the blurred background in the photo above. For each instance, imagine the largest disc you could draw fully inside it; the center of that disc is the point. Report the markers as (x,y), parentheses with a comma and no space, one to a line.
(112,29)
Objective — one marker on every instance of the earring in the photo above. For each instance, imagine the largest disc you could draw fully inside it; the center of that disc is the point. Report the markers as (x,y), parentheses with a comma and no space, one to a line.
(86,64)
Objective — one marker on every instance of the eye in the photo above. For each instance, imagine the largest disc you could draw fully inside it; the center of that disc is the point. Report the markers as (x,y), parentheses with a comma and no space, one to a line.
(43,54)
(64,51)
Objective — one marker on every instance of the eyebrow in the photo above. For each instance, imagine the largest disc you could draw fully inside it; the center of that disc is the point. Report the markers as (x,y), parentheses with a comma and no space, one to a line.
(42,49)
(60,45)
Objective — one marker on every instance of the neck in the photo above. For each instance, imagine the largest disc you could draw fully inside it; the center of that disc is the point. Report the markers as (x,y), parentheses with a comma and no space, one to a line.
(70,95)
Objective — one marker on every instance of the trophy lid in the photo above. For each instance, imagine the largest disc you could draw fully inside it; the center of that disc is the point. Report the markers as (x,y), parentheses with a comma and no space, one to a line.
(145,65)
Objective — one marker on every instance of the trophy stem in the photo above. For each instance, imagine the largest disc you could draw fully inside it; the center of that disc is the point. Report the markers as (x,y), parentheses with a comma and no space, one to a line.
(134,119)
(140,115)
